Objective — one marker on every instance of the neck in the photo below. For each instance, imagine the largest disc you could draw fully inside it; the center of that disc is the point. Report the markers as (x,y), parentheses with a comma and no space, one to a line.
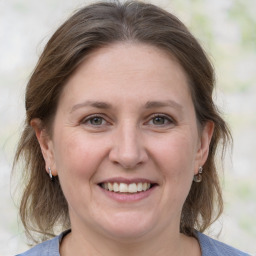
(166,243)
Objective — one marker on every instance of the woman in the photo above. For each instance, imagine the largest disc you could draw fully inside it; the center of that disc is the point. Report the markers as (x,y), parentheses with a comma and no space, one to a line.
(120,138)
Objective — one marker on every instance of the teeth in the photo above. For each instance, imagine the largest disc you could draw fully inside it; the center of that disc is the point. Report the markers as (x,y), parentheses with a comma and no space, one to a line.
(116,187)
(109,186)
(125,188)
(132,188)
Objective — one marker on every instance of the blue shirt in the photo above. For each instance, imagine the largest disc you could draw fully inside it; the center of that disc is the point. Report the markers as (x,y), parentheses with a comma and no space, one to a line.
(209,247)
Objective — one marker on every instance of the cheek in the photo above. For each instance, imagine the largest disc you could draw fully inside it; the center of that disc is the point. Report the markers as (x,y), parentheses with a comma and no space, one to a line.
(77,155)
(177,153)
(77,161)
(175,158)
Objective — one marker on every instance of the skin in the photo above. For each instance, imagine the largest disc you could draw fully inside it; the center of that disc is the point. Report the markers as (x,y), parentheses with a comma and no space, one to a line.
(145,128)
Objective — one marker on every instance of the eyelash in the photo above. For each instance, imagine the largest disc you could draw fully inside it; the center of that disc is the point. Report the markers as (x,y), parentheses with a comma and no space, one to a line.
(162,116)
(88,120)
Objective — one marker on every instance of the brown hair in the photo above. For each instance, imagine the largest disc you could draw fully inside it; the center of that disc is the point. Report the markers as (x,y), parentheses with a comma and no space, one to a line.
(43,205)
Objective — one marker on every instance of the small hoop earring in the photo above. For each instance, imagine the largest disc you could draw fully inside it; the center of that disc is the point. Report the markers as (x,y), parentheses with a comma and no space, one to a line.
(198,177)
(50,172)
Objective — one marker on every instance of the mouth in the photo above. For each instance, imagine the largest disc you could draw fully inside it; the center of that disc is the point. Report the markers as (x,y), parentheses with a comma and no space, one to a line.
(127,186)
(130,188)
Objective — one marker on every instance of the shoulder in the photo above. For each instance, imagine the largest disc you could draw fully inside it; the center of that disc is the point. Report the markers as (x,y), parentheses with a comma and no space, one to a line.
(212,247)
(47,248)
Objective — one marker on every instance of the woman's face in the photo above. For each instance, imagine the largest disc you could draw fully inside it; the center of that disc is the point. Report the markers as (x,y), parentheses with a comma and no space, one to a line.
(126,122)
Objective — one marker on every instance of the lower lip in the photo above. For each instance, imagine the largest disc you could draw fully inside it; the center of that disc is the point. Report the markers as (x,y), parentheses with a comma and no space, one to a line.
(128,197)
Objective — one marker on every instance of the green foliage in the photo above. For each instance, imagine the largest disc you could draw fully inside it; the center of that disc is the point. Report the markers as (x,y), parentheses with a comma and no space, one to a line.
(227,31)
(241,13)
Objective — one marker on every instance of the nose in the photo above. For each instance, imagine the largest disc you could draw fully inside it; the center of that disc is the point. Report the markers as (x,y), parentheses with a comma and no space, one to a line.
(128,149)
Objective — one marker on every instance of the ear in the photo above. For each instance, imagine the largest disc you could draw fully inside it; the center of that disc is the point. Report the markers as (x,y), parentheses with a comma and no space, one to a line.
(46,145)
(204,144)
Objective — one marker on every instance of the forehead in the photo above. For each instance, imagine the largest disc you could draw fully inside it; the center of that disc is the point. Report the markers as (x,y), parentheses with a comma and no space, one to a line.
(127,69)
(130,55)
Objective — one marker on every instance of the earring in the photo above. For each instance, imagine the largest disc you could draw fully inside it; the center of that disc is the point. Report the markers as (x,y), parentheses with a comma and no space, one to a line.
(50,172)
(198,177)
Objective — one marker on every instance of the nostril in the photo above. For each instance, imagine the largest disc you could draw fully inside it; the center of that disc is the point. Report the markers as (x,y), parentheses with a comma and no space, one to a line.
(128,160)
(128,150)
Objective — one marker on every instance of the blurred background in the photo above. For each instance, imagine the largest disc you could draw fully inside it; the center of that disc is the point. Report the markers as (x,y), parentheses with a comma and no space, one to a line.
(227,31)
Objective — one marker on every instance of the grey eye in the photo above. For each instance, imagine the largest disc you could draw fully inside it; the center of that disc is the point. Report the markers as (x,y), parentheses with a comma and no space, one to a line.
(96,120)
(159,120)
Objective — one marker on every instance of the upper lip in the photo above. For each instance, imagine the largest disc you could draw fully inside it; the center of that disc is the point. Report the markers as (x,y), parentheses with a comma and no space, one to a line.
(127,181)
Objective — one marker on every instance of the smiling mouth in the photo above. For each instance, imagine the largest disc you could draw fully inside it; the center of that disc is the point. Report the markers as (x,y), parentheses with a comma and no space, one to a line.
(126,188)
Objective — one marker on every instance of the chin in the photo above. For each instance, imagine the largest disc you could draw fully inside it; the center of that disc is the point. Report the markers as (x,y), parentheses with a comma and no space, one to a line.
(128,227)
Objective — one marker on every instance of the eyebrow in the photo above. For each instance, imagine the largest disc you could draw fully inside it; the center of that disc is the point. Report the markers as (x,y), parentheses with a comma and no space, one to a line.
(167,103)
(89,103)
(105,105)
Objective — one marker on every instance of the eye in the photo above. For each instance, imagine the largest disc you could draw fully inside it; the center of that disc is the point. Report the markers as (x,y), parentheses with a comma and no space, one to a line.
(161,120)
(94,120)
